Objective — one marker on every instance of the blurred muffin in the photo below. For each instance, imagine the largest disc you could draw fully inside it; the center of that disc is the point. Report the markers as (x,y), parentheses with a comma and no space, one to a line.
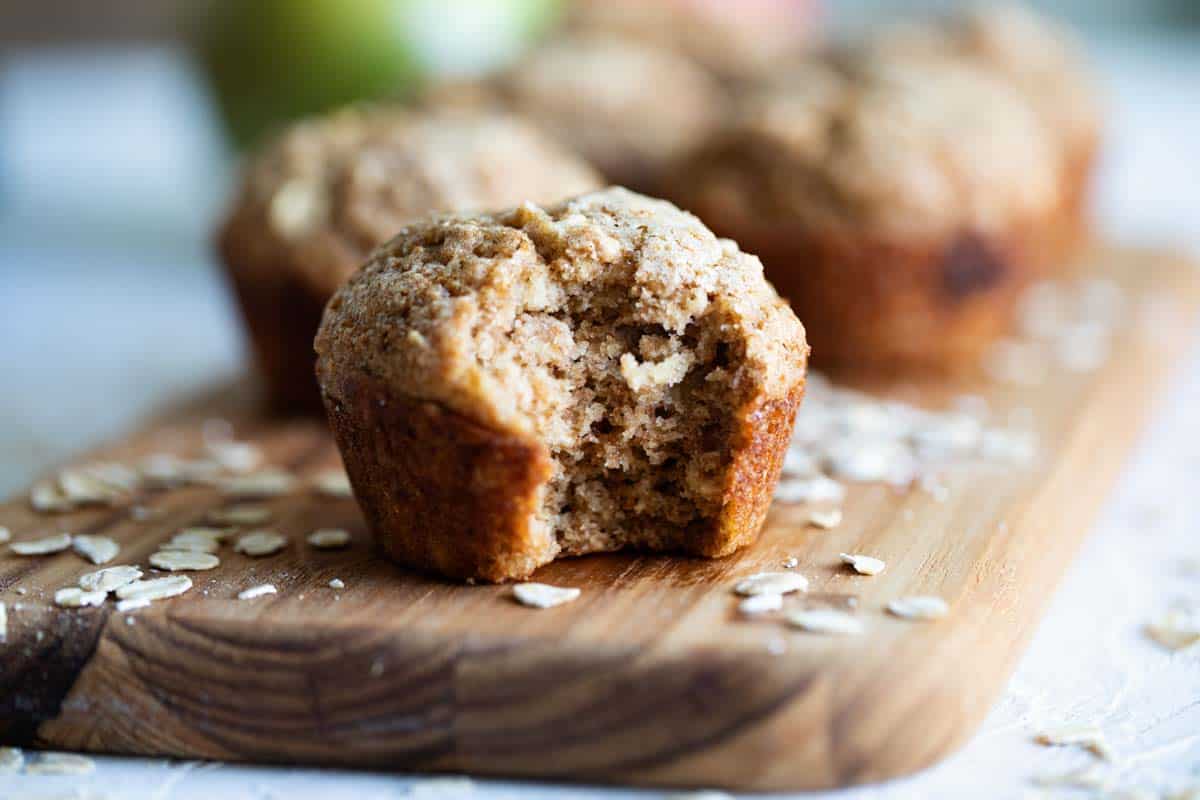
(511,388)
(629,108)
(901,208)
(1045,64)
(316,201)
(737,42)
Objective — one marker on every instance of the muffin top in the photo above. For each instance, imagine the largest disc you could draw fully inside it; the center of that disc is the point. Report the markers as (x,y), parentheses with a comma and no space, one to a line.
(879,146)
(1037,55)
(508,318)
(329,190)
(738,42)
(628,107)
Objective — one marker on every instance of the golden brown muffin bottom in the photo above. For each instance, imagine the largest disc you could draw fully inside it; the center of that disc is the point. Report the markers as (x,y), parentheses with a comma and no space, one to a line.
(282,315)
(442,492)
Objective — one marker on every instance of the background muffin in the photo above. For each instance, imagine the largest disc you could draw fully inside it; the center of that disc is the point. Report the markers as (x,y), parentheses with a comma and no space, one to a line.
(604,373)
(737,42)
(629,108)
(317,200)
(1044,63)
(899,207)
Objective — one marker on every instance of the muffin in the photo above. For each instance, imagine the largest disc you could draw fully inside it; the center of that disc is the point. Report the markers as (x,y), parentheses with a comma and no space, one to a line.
(316,201)
(1044,63)
(629,108)
(737,42)
(603,373)
(899,208)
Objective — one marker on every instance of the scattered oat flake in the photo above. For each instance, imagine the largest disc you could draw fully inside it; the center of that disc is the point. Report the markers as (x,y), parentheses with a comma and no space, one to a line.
(810,490)
(337,583)
(267,483)
(791,562)
(60,764)
(132,604)
(771,583)
(84,486)
(74,597)
(154,588)
(760,604)
(799,463)
(919,607)
(41,547)
(870,459)
(243,514)
(260,543)
(109,578)
(1089,737)
(96,549)
(543,595)
(114,474)
(1176,630)
(169,470)
(198,540)
(826,620)
(176,560)
(329,538)
(825,520)
(863,565)
(333,483)
(257,591)
(11,759)
(237,457)
(45,496)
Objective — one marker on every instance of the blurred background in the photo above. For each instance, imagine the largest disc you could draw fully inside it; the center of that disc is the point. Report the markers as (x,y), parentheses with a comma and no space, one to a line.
(120,123)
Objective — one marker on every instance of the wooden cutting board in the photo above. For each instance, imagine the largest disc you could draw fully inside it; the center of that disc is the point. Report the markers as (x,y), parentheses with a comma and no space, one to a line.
(649,678)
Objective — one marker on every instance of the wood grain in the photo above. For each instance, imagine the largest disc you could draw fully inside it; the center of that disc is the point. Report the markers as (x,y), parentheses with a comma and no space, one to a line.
(649,678)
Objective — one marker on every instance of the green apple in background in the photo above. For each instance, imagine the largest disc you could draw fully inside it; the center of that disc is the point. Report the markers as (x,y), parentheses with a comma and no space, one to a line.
(270,61)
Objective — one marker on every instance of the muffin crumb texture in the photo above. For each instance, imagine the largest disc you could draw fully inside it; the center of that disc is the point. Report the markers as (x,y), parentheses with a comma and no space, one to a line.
(639,368)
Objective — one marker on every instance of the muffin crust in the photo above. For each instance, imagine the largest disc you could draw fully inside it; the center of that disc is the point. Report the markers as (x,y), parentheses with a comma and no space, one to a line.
(315,202)
(739,43)
(900,208)
(641,374)
(1044,63)
(631,109)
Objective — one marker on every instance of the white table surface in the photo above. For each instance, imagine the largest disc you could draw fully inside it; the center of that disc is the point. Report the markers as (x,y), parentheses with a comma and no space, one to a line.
(109,306)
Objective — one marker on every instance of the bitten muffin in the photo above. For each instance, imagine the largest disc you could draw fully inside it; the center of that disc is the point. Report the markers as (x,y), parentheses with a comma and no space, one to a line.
(737,42)
(316,201)
(629,108)
(599,374)
(900,208)
(1045,64)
